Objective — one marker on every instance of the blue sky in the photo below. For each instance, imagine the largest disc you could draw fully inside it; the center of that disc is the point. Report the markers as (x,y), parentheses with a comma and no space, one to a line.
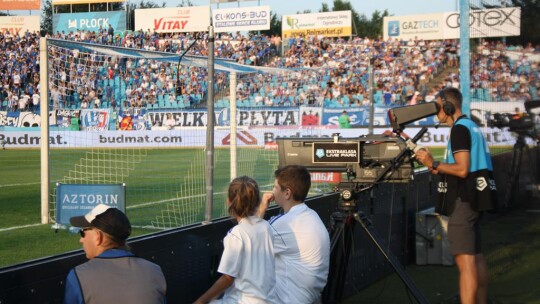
(366,7)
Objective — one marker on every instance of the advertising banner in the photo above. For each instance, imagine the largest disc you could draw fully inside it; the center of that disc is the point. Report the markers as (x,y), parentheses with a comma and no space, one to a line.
(11,5)
(95,120)
(196,137)
(19,24)
(142,119)
(244,117)
(173,19)
(76,199)
(496,22)
(331,24)
(325,177)
(310,116)
(241,19)
(425,26)
(357,116)
(63,117)
(132,119)
(93,21)
(261,117)
(360,117)
(20,119)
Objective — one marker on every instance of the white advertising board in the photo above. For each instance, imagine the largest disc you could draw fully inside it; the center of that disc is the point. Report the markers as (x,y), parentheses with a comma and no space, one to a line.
(497,22)
(173,19)
(241,19)
(19,24)
(331,24)
(426,26)
(196,137)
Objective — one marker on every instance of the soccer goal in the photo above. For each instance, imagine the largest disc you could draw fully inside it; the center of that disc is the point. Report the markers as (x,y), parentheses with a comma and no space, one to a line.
(125,116)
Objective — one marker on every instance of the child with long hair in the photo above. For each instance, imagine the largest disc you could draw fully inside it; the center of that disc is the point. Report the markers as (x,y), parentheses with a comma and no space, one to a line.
(247,263)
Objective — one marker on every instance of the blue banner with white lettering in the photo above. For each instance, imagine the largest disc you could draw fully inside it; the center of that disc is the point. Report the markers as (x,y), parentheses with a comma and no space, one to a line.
(360,117)
(356,115)
(77,199)
(91,22)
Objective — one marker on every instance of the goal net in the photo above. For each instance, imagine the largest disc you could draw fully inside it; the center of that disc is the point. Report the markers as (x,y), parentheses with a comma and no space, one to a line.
(118,116)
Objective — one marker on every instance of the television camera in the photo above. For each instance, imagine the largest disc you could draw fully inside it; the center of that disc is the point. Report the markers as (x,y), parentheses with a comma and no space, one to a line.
(362,158)
(523,124)
(367,160)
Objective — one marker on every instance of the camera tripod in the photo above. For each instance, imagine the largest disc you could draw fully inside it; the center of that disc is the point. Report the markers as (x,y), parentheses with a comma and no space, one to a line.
(512,184)
(342,227)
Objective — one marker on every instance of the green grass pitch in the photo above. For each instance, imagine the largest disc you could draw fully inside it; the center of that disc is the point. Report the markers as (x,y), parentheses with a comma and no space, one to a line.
(162,184)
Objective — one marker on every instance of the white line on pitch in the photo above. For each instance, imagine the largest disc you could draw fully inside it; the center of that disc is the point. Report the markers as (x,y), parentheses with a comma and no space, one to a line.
(19,227)
(15,185)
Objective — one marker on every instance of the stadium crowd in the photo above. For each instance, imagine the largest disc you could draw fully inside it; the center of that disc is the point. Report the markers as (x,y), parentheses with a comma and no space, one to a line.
(318,71)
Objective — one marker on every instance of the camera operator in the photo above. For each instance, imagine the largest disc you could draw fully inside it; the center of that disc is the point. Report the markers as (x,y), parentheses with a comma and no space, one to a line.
(464,192)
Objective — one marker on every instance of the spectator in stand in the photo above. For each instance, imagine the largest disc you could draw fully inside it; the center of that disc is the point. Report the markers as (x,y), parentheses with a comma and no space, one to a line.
(23,102)
(35,101)
(415,98)
(407,64)
(84,104)
(344,120)
(170,123)
(110,31)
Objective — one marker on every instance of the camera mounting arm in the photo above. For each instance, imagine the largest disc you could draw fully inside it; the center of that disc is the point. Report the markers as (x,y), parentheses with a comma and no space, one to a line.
(412,148)
(411,143)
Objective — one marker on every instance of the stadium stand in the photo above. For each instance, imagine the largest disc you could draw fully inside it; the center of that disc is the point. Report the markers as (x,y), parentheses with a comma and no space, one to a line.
(325,72)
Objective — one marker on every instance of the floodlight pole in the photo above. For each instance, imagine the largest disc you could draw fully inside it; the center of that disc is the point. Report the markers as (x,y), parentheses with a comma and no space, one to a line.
(210,129)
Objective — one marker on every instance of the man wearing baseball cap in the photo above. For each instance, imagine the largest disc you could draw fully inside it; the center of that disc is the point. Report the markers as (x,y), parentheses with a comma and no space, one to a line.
(113,274)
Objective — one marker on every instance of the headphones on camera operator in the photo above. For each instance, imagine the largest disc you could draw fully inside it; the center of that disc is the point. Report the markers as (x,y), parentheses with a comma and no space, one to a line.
(448,108)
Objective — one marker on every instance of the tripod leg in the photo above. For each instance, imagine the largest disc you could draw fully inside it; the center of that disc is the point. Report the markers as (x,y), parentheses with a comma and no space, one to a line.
(513,177)
(377,241)
(340,247)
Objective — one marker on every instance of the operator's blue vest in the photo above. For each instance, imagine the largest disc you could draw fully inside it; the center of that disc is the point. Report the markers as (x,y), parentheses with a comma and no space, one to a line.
(480,157)
(478,188)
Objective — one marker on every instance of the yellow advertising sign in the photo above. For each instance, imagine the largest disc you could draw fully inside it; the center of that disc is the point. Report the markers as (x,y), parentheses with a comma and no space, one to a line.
(326,32)
(329,24)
